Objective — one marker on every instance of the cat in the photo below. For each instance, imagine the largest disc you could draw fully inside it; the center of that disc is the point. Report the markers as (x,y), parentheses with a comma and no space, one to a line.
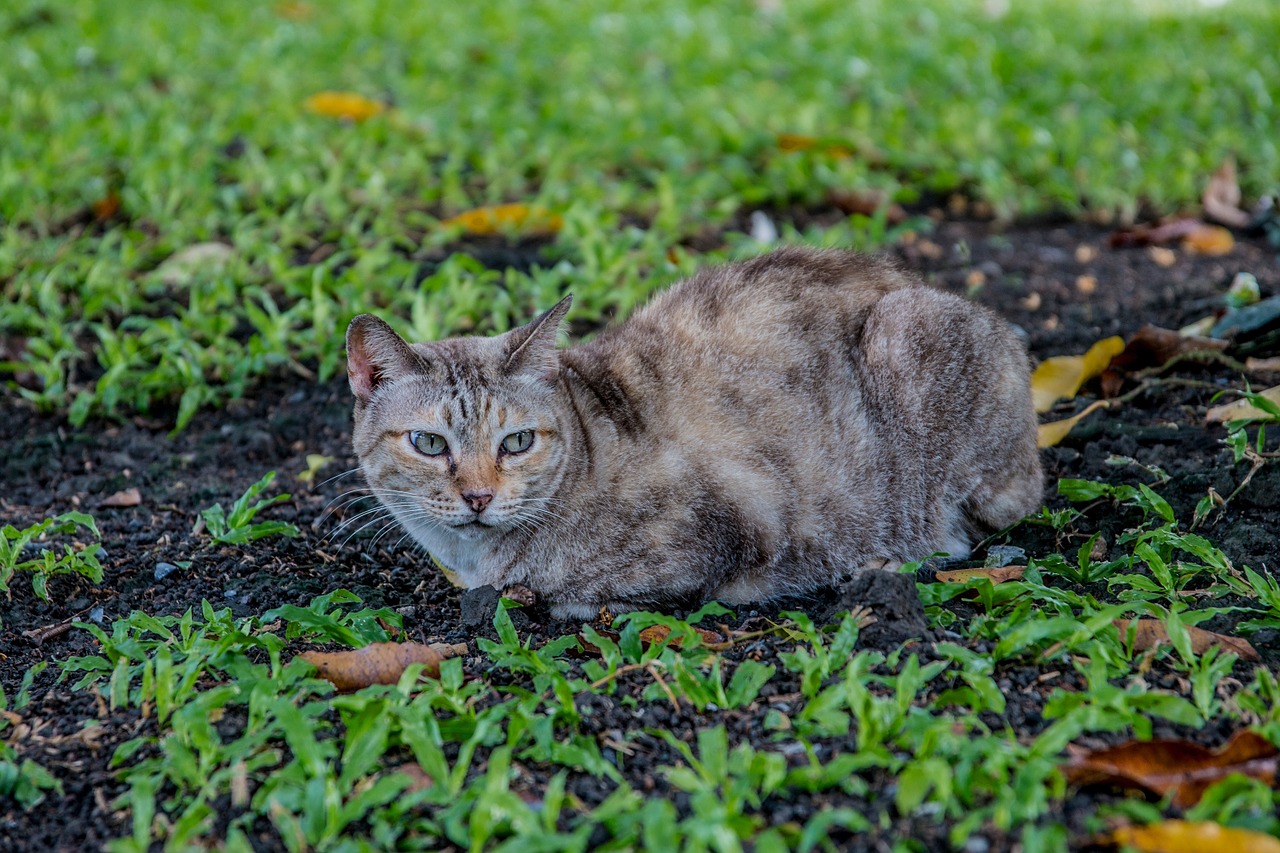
(763,428)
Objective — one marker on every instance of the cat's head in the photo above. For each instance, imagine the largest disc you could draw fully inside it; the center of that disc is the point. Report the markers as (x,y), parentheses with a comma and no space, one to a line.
(461,438)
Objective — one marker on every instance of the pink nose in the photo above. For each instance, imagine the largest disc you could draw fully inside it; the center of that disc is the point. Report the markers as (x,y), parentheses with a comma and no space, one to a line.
(478,499)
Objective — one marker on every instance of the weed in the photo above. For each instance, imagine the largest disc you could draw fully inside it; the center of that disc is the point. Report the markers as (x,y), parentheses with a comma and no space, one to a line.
(48,563)
(237,527)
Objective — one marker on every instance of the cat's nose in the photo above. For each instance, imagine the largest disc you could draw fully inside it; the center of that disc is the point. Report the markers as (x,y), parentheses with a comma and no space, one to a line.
(477,499)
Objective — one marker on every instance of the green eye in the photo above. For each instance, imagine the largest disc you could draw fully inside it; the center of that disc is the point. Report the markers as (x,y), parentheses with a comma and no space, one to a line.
(518,442)
(428,443)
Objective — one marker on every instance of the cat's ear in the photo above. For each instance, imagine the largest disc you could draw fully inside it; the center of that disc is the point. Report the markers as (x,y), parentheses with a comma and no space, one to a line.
(531,349)
(376,354)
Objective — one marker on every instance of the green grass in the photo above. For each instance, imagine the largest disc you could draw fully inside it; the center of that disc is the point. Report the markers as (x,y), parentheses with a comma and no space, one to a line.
(326,772)
(641,126)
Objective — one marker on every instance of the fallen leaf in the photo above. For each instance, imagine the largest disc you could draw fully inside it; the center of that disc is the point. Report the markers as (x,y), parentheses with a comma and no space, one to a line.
(867,203)
(1152,633)
(1209,240)
(529,219)
(1195,235)
(800,142)
(655,634)
(1221,197)
(1000,575)
(378,663)
(106,207)
(183,265)
(1242,409)
(419,780)
(123,498)
(1181,836)
(1152,346)
(1060,377)
(1050,434)
(344,105)
(1180,767)
(1262,365)
(294,11)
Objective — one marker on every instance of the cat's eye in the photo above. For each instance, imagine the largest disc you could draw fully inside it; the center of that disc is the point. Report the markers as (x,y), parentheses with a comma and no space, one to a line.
(518,442)
(428,443)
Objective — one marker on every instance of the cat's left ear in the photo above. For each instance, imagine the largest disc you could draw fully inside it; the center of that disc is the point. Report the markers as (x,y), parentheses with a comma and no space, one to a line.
(531,349)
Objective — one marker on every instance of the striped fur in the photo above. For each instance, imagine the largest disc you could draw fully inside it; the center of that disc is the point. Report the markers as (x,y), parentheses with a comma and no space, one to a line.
(760,429)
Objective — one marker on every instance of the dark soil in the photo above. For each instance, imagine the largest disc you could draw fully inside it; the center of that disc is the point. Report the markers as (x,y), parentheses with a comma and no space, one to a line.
(1032,275)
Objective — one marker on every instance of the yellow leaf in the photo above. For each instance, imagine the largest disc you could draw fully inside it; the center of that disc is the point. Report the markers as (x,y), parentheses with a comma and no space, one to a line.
(996,575)
(344,105)
(1182,836)
(1060,377)
(1209,240)
(1241,410)
(529,219)
(1048,435)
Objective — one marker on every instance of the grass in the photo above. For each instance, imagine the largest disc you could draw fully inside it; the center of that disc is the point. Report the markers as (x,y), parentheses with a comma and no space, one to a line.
(134,134)
(245,740)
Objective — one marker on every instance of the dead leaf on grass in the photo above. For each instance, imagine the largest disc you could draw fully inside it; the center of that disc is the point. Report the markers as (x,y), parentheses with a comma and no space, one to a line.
(183,265)
(1152,633)
(123,498)
(1180,767)
(526,218)
(106,207)
(867,203)
(1050,434)
(347,106)
(1182,836)
(379,663)
(1242,409)
(419,780)
(999,575)
(1209,240)
(1221,197)
(1060,377)
(800,142)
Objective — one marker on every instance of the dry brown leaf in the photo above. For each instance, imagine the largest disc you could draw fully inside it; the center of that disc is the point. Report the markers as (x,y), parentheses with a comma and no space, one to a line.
(1181,836)
(1152,633)
(1152,346)
(419,780)
(1050,434)
(344,105)
(1000,575)
(1180,767)
(123,498)
(1221,197)
(1060,377)
(1262,365)
(186,263)
(867,203)
(106,207)
(528,219)
(1195,235)
(1241,409)
(379,663)
(800,142)
(655,634)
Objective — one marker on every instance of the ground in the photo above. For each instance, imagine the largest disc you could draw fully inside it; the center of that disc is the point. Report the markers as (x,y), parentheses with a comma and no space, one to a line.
(1032,274)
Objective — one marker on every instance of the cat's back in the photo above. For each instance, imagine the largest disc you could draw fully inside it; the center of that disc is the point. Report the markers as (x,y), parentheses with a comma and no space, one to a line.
(778,318)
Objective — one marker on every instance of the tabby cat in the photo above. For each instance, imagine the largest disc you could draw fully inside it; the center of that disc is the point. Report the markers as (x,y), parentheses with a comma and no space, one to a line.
(763,428)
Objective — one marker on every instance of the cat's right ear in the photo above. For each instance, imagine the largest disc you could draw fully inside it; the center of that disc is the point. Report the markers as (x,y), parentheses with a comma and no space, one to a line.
(376,354)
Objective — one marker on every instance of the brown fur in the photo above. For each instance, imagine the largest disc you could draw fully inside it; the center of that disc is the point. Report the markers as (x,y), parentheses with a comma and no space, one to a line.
(762,428)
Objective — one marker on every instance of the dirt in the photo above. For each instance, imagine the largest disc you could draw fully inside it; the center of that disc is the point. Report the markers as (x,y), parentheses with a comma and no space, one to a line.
(1060,284)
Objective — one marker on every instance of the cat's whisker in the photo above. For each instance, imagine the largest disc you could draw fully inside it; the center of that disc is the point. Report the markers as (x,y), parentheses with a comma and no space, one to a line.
(346,473)
(361,528)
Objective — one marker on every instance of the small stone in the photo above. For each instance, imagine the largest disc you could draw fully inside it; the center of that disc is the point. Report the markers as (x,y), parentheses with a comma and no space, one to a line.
(1085,253)
(96,615)
(230,594)
(479,606)
(1086,284)
(163,570)
(999,556)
